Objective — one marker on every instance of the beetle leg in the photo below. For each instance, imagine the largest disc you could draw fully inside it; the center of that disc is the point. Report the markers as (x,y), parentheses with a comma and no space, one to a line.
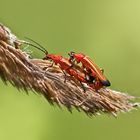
(73,61)
(83,65)
(84,68)
(65,75)
(82,86)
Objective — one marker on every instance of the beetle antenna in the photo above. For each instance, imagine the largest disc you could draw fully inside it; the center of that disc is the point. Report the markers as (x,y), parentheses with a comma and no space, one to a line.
(35,47)
(40,46)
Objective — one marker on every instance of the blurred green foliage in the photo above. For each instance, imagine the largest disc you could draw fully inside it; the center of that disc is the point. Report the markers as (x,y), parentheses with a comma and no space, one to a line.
(108,31)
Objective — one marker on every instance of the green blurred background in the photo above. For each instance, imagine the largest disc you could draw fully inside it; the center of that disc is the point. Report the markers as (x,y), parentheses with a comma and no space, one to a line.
(108,31)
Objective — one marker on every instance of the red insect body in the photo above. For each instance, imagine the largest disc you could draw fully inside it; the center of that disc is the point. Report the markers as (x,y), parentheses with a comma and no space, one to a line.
(79,74)
(91,67)
(65,65)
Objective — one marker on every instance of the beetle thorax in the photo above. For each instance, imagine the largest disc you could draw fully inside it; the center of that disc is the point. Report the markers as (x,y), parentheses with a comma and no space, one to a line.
(79,57)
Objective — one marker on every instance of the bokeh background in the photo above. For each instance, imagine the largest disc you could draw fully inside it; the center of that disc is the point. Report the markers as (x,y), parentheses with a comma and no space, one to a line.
(108,31)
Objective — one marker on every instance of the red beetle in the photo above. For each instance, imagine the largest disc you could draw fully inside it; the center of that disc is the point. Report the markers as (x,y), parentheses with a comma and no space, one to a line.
(90,67)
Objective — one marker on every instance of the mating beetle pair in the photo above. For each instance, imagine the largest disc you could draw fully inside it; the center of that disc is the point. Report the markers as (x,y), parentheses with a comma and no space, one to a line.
(88,73)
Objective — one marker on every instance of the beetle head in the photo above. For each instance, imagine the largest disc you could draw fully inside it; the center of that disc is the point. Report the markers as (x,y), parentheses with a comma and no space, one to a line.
(53,57)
